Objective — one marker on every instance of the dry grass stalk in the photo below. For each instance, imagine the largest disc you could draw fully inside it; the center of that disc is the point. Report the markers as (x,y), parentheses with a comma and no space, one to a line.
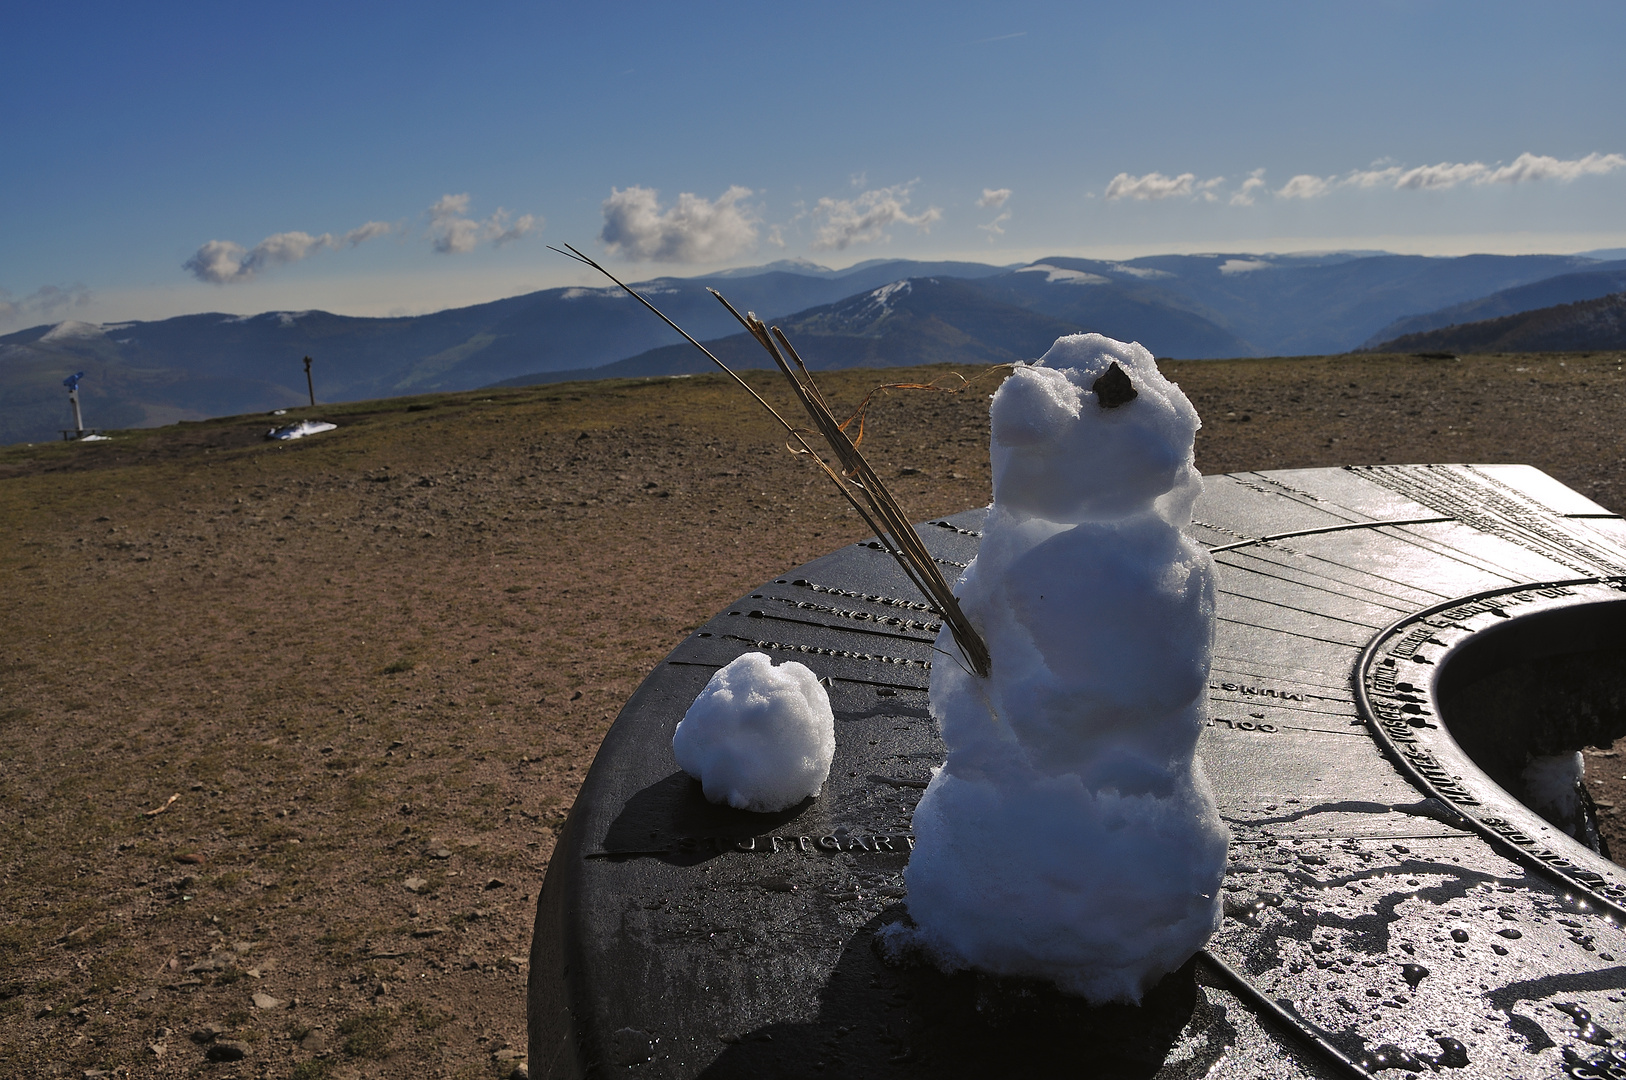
(878,507)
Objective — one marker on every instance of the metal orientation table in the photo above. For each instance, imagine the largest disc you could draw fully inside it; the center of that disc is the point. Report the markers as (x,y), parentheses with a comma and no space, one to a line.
(1391,905)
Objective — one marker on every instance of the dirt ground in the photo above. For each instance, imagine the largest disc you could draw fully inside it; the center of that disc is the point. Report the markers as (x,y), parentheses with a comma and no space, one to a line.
(286,729)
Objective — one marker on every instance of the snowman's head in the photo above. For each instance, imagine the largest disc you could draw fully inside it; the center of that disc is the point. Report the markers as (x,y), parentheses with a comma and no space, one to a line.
(1091,431)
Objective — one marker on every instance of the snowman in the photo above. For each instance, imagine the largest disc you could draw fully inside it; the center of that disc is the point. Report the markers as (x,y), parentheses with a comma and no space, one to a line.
(1072,835)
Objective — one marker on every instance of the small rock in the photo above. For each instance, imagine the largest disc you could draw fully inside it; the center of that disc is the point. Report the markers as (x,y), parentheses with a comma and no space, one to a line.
(190,858)
(428,931)
(440,853)
(381,989)
(416,884)
(155,1049)
(496,883)
(208,1033)
(266,1001)
(314,1042)
(520,1072)
(1115,388)
(226,1051)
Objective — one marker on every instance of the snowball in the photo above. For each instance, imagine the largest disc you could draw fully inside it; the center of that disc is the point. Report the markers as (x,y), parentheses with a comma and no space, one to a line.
(758,737)
(1072,834)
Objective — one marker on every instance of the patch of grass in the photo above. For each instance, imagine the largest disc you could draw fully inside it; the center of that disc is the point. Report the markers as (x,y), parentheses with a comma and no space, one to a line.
(314,1069)
(367,1035)
(13,939)
(424,1017)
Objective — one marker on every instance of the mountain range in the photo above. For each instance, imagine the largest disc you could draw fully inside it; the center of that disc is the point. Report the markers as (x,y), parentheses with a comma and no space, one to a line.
(1585,325)
(878,313)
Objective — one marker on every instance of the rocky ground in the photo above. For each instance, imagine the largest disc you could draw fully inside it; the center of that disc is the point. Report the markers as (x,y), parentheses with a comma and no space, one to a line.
(286,729)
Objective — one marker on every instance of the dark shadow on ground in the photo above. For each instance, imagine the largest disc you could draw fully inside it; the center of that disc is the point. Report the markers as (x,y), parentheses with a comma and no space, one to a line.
(879,1019)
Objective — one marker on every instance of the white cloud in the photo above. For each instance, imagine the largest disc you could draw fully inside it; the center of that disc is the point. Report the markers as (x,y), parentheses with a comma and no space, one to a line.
(1526,168)
(865,218)
(222,262)
(1534,167)
(995,198)
(1371,178)
(1154,185)
(996,227)
(692,230)
(1244,195)
(43,304)
(1443,175)
(1303,186)
(362,233)
(452,233)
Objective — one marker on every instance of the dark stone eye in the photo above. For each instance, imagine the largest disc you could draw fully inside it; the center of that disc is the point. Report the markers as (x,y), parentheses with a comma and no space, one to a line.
(1113,388)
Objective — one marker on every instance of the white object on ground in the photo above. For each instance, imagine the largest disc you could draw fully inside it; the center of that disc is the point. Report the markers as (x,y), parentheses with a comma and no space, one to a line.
(1072,834)
(1553,785)
(758,737)
(95,438)
(300,429)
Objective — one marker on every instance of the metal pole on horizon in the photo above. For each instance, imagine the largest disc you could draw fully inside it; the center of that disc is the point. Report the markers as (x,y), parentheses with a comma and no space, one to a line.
(72,383)
(310,386)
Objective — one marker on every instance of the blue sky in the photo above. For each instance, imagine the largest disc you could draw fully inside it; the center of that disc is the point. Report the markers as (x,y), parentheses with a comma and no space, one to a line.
(404,157)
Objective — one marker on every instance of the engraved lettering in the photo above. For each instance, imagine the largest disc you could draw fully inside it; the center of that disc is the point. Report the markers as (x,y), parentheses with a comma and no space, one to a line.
(829,843)
(882,843)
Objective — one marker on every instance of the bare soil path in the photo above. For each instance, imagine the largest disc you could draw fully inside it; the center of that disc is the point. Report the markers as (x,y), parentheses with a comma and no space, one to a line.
(285,729)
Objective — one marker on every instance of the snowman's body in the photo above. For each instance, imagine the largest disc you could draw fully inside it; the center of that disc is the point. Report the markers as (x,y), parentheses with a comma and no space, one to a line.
(1072,835)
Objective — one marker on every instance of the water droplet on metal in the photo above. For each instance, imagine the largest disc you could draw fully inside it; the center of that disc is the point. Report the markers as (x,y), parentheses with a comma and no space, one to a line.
(1452,1055)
